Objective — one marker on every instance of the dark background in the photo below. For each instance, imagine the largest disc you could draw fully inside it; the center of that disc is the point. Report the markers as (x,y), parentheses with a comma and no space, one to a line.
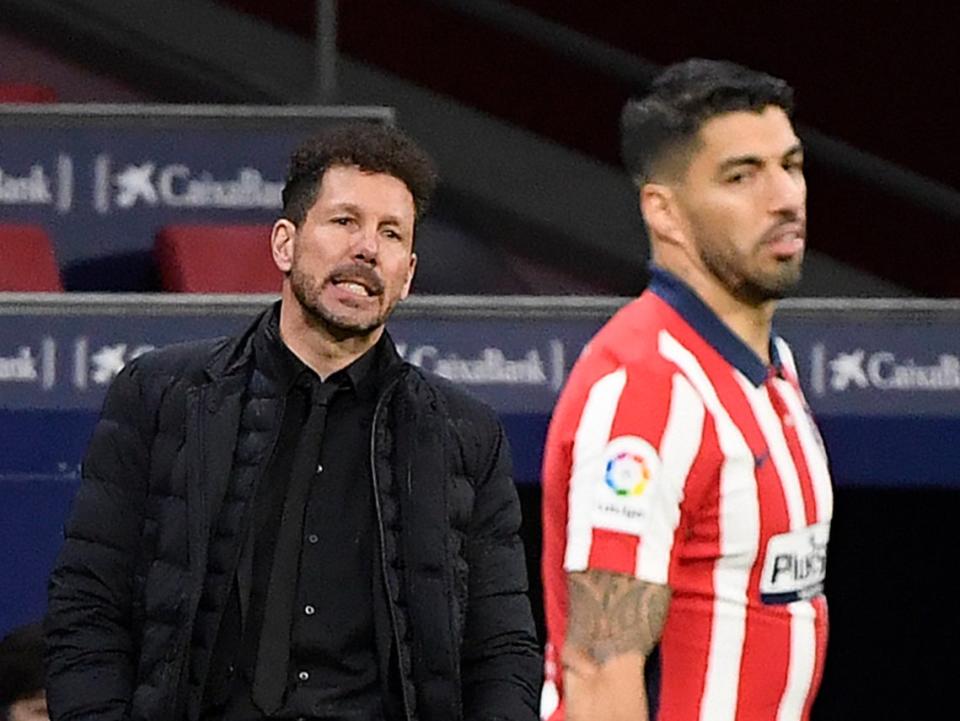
(880,76)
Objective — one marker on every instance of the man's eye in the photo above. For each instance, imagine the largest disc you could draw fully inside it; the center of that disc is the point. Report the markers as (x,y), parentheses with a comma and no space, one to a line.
(342,221)
(741,175)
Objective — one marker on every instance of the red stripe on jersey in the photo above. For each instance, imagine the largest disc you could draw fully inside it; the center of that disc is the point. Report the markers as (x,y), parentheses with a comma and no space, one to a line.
(612,551)
(796,451)
(643,409)
(556,465)
(698,535)
(766,659)
(822,630)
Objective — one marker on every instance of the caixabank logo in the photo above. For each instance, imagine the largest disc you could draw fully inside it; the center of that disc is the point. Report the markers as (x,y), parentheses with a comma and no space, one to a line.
(863,369)
(40,182)
(96,366)
(30,364)
(492,366)
(147,183)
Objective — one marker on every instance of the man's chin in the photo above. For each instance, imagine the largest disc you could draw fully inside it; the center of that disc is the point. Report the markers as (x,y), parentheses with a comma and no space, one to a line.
(344,326)
(347,324)
(774,287)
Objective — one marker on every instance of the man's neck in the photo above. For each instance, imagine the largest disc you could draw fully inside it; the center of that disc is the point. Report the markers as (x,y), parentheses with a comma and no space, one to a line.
(750,323)
(313,342)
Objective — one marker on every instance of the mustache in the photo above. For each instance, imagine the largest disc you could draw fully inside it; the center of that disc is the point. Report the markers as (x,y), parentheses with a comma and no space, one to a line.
(357,273)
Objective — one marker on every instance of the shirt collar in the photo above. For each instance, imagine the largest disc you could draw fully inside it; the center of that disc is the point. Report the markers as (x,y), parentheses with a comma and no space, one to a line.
(276,358)
(679,296)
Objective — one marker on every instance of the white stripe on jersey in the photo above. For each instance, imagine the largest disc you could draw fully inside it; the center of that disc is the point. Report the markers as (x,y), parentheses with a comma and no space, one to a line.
(739,539)
(803,638)
(679,447)
(803,656)
(786,355)
(593,433)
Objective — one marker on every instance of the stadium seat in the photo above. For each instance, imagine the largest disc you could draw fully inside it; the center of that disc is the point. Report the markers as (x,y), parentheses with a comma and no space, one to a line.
(27,262)
(26,93)
(216,259)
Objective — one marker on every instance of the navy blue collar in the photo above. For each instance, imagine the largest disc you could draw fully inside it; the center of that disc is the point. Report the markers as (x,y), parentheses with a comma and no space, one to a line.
(688,304)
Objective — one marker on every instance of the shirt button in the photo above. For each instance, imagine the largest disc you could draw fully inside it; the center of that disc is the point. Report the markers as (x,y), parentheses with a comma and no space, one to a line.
(303,676)
(319,468)
(313,538)
(309,610)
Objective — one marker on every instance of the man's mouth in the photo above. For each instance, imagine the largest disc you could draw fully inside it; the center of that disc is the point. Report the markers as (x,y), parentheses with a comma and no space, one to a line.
(786,240)
(354,288)
(360,281)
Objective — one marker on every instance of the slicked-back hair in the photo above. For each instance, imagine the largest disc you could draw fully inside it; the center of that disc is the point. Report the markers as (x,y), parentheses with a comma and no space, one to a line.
(372,148)
(659,131)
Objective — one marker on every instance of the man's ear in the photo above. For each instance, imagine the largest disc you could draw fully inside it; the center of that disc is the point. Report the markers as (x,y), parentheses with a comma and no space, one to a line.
(406,286)
(283,239)
(658,204)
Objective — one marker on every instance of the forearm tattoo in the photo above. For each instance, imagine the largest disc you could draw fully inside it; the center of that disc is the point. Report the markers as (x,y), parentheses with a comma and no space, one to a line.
(612,614)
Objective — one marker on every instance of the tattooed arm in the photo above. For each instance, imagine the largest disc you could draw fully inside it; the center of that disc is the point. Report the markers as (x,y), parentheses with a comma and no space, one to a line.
(615,621)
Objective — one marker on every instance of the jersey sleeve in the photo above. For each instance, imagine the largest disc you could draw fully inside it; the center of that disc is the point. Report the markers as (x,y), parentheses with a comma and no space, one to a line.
(633,448)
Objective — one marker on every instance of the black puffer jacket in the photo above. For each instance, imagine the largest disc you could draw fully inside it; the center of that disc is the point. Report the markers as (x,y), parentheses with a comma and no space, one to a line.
(137,590)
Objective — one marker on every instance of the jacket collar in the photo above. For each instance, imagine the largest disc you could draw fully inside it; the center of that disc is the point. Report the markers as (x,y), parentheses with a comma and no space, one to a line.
(679,296)
(234,353)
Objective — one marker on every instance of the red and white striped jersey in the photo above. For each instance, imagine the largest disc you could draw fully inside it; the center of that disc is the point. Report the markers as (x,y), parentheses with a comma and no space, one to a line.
(677,456)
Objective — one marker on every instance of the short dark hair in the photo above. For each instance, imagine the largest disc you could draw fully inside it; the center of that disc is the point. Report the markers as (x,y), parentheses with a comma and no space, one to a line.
(371,147)
(21,665)
(664,124)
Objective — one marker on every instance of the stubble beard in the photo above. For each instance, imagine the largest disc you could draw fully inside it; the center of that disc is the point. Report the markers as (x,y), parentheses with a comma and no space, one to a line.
(308,292)
(751,287)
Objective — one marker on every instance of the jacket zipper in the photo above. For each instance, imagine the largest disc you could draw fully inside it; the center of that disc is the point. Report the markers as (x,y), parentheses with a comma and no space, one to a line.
(378,411)
(181,656)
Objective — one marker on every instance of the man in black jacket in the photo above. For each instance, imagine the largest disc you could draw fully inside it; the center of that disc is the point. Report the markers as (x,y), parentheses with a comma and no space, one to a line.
(295,523)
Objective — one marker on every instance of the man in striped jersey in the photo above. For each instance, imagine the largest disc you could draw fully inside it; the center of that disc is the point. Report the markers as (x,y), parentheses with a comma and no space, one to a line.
(687,500)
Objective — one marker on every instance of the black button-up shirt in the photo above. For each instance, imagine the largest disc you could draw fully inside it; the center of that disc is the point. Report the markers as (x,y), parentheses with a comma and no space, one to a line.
(332,671)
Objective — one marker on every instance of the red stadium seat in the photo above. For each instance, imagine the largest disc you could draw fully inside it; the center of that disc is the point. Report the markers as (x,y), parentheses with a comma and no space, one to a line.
(216,259)
(26,93)
(27,262)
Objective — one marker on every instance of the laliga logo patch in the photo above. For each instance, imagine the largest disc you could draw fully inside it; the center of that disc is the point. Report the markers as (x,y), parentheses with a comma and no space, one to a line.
(627,474)
(629,466)
(631,463)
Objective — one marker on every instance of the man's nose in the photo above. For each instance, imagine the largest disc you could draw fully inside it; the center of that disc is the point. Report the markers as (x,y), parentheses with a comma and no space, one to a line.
(366,244)
(788,192)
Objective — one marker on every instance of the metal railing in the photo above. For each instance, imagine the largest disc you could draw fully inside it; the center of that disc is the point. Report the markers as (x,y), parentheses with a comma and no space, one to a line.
(517,307)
